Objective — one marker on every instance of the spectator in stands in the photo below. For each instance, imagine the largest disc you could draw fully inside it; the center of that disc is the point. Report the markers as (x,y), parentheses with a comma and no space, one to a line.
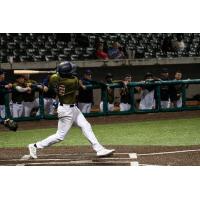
(125,101)
(148,93)
(115,52)
(20,89)
(85,97)
(4,88)
(100,52)
(110,92)
(164,89)
(178,44)
(167,44)
(176,91)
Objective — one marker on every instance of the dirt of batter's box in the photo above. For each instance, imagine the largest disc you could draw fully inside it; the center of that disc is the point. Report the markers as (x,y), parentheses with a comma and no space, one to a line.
(181,156)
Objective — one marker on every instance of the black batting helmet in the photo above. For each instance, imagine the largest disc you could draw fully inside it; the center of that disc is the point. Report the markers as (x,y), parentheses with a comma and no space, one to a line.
(66,69)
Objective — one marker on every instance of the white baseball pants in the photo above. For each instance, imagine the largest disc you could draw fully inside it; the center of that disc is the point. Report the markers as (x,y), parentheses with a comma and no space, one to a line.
(67,116)
(124,106)
(2,111)
(178,103)
(85,107)
(165,104)
(17,110)
(148,101)
(28,106)
(110,106)
(48,106)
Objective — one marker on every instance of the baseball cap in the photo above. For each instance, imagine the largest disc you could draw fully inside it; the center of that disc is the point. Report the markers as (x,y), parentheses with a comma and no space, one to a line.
(148,74)
(20,76)
(88,72)
(109,75)
(128,75)
(164,70)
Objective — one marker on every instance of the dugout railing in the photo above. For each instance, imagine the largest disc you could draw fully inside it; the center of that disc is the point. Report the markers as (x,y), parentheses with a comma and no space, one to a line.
(104,96)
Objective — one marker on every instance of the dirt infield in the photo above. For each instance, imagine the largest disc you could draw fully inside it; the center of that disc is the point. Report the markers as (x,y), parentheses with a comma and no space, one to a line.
(124,155)
(84,156)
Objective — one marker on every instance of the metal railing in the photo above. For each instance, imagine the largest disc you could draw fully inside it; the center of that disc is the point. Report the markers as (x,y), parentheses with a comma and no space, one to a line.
(131,86)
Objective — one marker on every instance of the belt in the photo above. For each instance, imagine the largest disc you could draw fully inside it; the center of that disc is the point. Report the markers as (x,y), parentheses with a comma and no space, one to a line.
(17,102)
(70,105)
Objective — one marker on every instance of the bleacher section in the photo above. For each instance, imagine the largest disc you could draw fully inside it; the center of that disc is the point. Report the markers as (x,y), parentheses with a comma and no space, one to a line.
(58,47)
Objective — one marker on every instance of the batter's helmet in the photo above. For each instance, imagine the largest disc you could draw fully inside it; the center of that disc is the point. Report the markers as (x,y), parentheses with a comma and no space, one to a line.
(66,69)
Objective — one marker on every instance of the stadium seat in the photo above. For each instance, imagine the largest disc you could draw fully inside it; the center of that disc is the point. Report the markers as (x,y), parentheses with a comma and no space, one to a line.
(3,59)
(25,58)
(74,57)
(43,52)
(50,58)
(55,52)
(63,57)
(78,46)
(61,45)
(38,58)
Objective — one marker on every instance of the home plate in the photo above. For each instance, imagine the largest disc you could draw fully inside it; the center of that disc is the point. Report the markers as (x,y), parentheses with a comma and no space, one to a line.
(134,163)
(25,157)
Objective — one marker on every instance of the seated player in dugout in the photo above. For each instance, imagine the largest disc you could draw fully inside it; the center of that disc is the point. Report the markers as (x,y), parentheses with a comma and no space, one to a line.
(20,89)
(66,84)
(147,93)
(125,100)
(110,93)
(5,88)
(85,96)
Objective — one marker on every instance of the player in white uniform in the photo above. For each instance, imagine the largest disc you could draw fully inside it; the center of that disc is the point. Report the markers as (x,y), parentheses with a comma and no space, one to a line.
(125,101)
(19,90)
(111,98)
(4,88)
(147,94)
(85,97)
(176,91)
(66,84)
(165,89)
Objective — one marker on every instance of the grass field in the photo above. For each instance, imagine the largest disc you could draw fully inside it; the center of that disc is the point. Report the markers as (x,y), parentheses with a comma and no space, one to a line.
(164,132)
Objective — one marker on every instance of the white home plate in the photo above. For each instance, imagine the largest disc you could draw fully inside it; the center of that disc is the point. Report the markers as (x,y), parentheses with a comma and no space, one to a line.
(134,163)
(25,157)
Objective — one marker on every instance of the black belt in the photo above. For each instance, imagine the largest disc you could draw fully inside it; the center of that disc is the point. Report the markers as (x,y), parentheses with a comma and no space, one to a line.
(70,105)
(17,102)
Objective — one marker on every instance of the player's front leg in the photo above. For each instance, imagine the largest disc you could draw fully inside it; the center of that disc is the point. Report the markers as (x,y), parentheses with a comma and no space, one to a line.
(89,134)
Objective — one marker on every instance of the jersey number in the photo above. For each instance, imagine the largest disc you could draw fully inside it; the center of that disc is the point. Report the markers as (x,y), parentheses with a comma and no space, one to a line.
(61,90)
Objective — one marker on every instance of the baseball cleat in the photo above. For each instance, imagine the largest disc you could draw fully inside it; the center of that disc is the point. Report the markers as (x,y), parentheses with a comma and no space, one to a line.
(105,152)
(32,151)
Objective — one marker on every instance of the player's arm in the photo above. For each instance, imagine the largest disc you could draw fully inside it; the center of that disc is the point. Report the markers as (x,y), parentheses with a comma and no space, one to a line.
(53,83)
(82,85)
(21,89)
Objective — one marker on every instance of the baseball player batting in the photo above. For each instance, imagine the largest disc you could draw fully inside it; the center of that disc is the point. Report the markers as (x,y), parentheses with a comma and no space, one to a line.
(66,84)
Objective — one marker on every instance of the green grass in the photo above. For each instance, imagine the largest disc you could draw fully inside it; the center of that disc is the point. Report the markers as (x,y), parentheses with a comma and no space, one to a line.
(164,132)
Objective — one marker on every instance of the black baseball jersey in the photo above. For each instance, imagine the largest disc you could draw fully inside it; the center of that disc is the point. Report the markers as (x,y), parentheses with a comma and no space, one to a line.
(164,90)
(2,92)
(125,96)
(50,93)
(85,96)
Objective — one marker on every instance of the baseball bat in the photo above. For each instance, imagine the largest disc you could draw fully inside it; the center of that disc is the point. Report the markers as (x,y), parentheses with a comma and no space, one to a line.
(33,72)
